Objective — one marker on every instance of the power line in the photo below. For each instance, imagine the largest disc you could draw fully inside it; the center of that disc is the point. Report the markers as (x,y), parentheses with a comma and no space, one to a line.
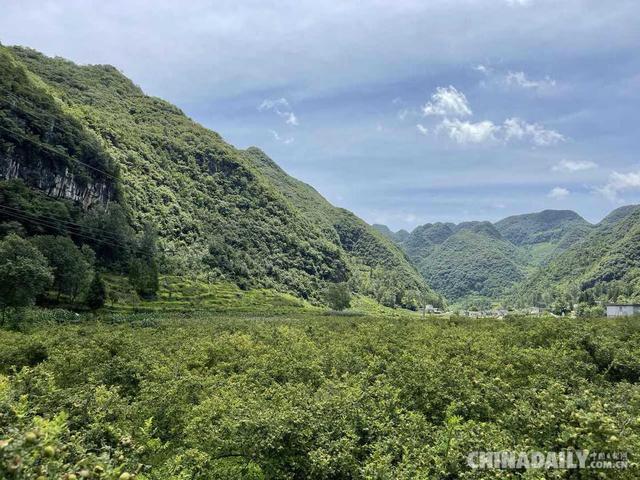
(96,230)
(54,222)
(50,224)
(49,148)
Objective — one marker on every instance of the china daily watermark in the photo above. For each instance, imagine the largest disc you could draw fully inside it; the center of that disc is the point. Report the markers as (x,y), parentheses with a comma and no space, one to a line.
(559,460)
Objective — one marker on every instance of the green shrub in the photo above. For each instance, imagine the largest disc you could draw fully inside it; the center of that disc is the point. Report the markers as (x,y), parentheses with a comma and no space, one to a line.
(337,296)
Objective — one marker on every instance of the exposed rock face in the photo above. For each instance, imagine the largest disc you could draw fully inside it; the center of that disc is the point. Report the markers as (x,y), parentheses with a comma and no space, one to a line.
(62,184)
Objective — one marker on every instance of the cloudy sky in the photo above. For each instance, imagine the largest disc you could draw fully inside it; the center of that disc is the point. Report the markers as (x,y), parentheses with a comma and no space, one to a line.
(404,111)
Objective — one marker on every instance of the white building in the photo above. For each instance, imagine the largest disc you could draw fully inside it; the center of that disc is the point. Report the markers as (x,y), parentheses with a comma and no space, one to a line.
(622,309)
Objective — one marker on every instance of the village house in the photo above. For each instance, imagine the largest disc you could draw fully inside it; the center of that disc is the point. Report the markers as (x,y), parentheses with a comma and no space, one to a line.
(622,309)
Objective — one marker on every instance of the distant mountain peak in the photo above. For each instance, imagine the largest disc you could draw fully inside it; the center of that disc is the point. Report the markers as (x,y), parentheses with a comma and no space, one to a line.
(619,214)
(539,227)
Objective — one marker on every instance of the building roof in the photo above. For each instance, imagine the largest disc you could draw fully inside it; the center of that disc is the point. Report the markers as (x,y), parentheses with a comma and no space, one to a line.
(623,305)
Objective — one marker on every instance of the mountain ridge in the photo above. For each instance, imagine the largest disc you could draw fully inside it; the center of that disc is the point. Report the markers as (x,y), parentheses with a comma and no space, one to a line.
(214,206)
(532,258)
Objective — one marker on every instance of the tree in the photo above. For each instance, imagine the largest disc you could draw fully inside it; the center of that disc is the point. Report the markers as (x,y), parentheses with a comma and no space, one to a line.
(585,310)
(112,233)
(24,271)
(337,296)
(97,293)
(561,307)
(143,269)
(225,260)
(71,270)
(12,227)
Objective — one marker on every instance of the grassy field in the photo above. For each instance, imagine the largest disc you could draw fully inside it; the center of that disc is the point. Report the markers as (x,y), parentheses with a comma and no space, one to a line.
(180,294)
(185,294)
(308,395)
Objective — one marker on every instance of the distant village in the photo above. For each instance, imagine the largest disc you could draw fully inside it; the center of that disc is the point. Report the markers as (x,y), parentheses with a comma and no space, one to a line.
(612,310)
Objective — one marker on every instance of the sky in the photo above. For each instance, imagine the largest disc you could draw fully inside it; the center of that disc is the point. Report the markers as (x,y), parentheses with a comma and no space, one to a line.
(403,111)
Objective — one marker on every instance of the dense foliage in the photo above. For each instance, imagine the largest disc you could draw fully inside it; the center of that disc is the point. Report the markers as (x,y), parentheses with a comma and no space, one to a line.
(71,267)
(471,263)
(541,227)
(378,267)
(216,209)
(45,145)
(201,397)
(337,296)
(604,266)
(477,264)
(24,274)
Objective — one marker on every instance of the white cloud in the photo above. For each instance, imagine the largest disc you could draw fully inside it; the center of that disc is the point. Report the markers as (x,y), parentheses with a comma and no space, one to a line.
(278,138)
(282,108)
(467,132)
(516,80)
(520,79)
(484,69)
(513,129)
(558,193)
(517,129)
(268,104)
(291,118)
(451,103)
(447,101)
(520,3)
(573,166)
(620,182)
(422,129)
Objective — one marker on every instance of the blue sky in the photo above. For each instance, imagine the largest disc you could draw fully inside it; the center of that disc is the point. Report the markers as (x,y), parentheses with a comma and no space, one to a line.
(404,112)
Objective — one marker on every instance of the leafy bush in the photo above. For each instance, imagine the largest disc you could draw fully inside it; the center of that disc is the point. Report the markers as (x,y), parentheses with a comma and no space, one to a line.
(97,293)
(337,296)
(24,274)
(71,269)
(235,397)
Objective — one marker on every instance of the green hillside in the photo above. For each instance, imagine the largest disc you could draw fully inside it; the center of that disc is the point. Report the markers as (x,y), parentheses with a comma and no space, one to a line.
(383,270)
(604,266)
(545,226)
(619,214)
(422,240)
(477,263)
(471,264)
(544,235)
(398,237)
(91,138)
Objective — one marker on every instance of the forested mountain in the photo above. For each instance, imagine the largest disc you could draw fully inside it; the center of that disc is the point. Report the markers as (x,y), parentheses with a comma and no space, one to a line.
(544,235)
(399,236)
(545,226)
(620,214)
(380,267)
(84,152)
(605,265)
(476,263)
(472,264)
